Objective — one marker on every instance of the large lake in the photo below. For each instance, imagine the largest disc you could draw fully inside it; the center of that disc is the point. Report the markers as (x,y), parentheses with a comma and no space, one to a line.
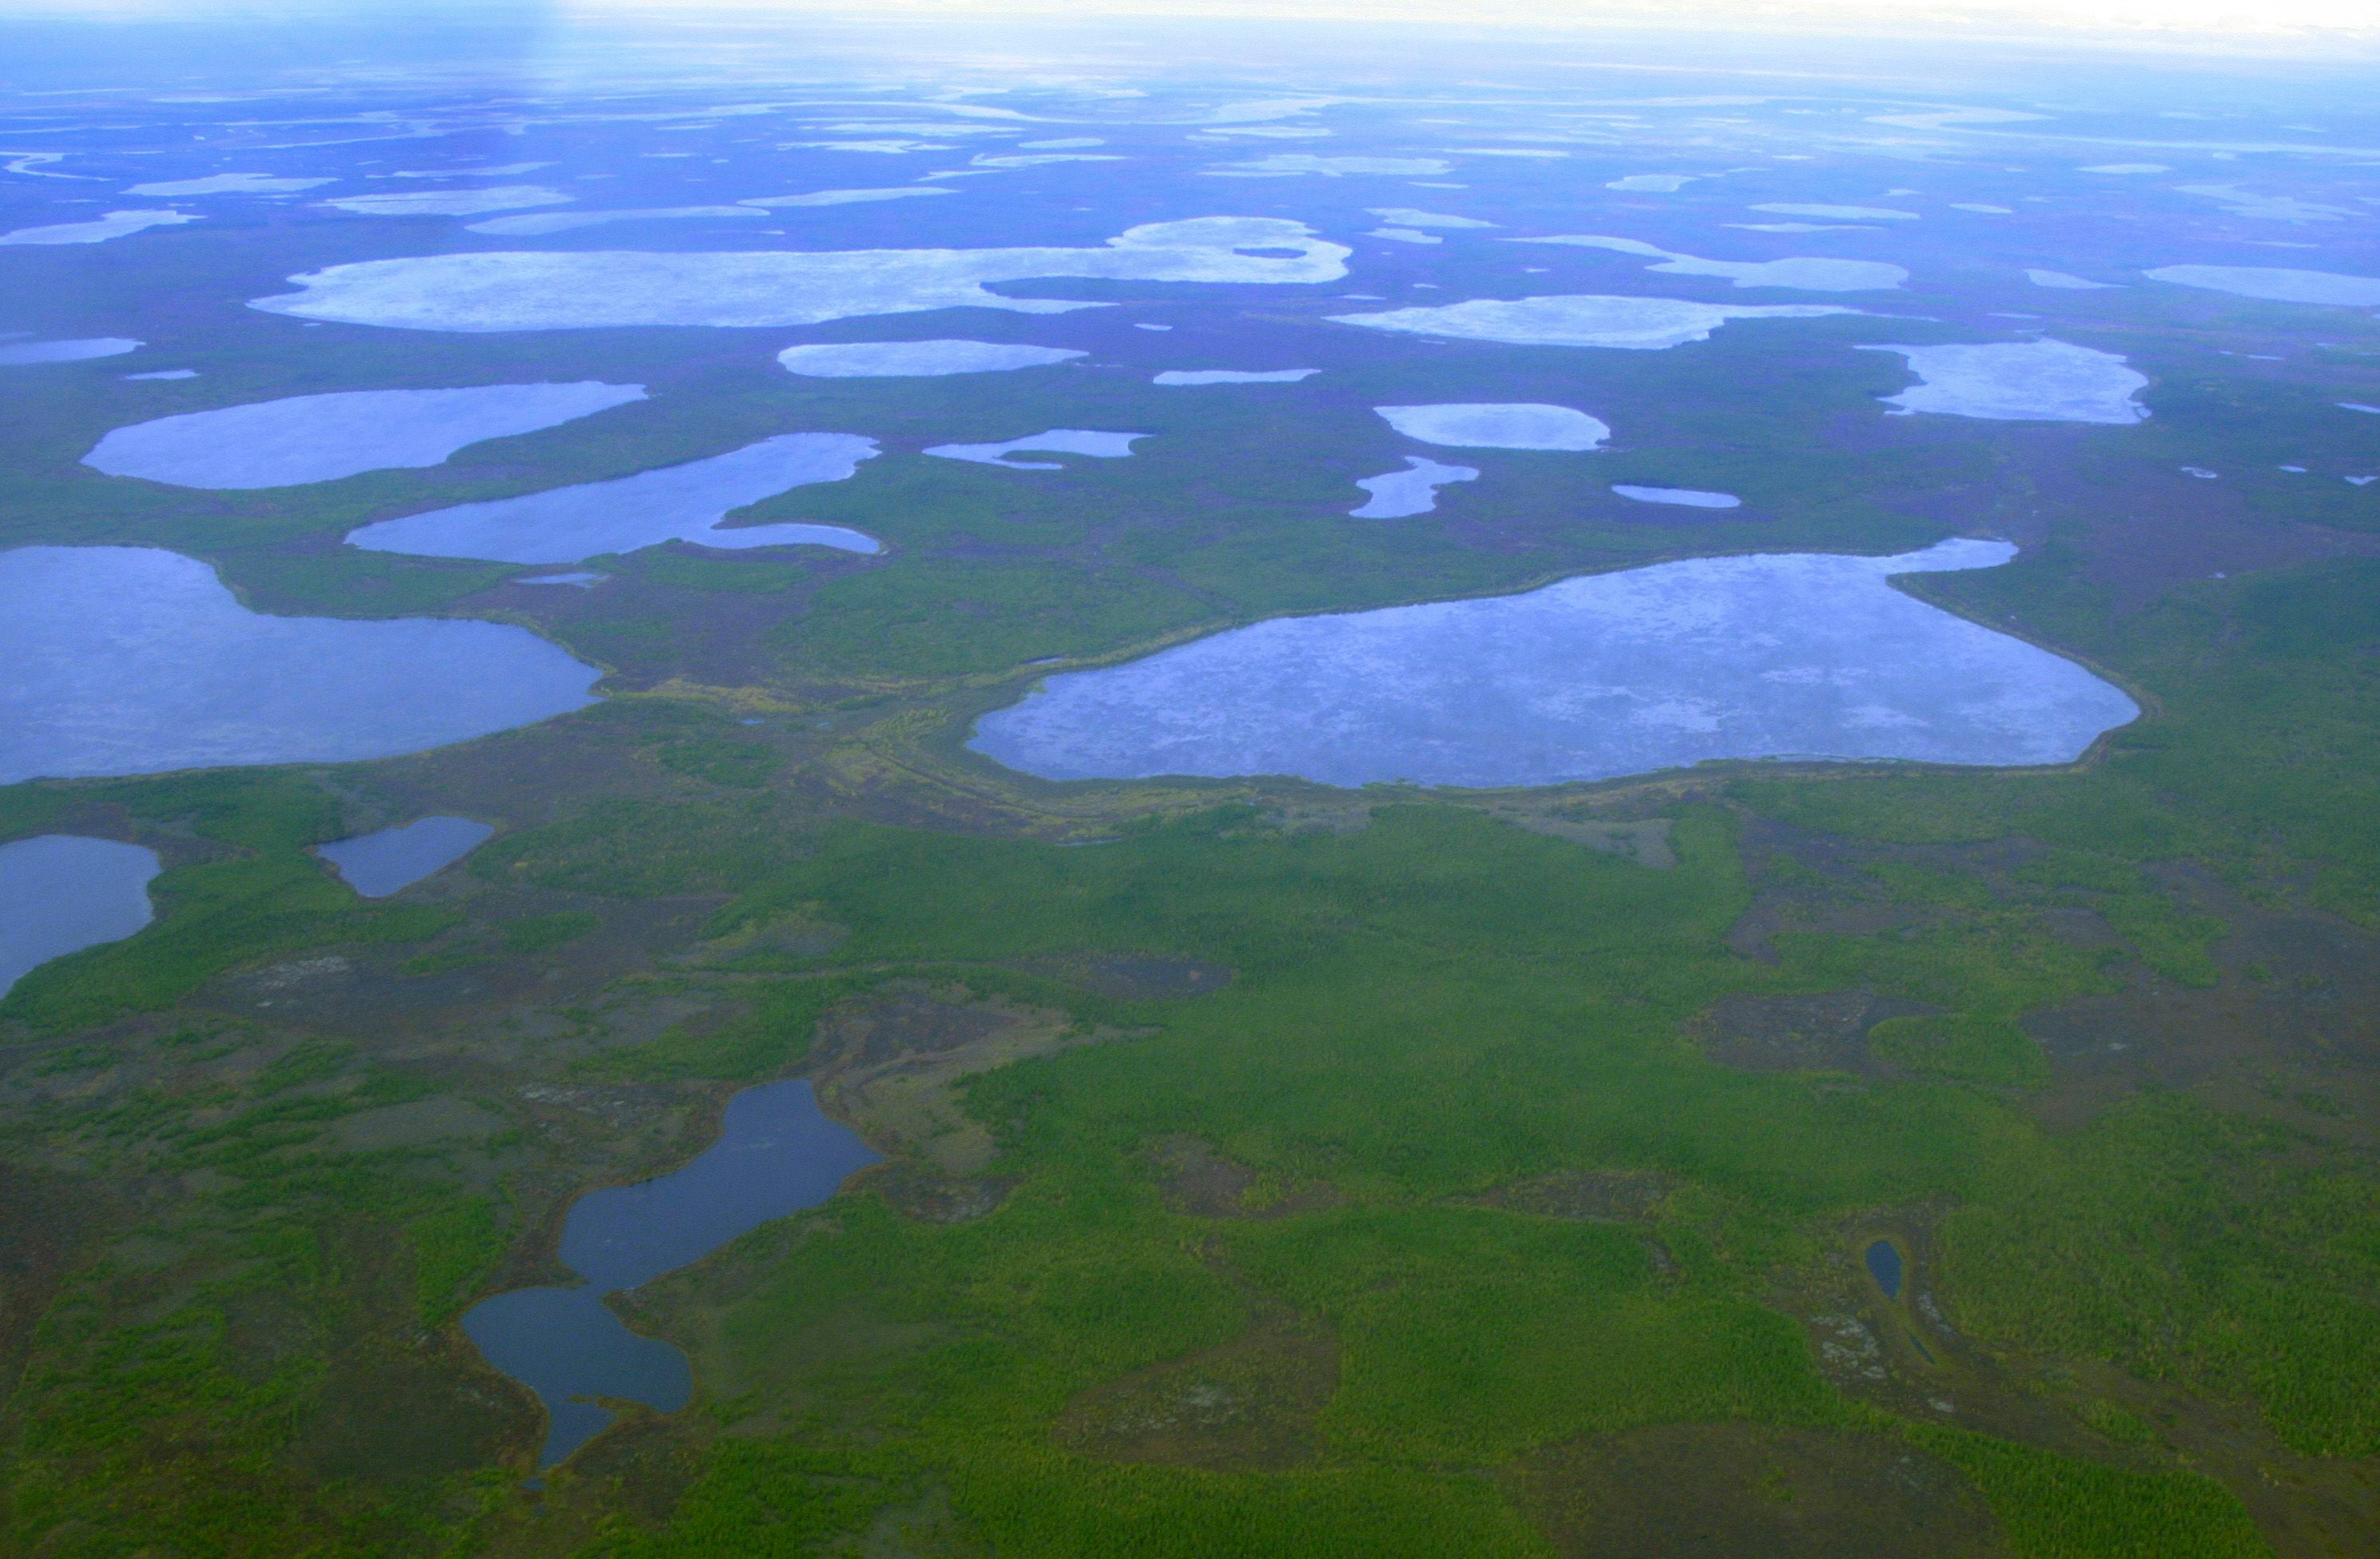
(1782,655)
(134,661)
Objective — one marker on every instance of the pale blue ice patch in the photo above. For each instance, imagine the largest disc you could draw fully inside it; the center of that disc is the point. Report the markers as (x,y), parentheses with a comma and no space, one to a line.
(1498,425)
(1401,495)
(320,438)
(26,354)
(673,504)
(918,360)
(1793,656)
(1057,440)
(1179,377)
(1685,498)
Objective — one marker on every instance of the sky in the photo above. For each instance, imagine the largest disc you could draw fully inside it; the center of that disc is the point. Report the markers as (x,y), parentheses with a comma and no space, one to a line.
(2213,19)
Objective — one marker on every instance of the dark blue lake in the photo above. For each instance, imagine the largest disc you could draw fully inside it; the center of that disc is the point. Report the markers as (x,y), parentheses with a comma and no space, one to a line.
(777,1153)
(377,865)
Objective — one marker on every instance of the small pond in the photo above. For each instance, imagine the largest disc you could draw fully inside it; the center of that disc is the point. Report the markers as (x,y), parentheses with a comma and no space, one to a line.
(777,1153)
(378,864)
(1884,1265)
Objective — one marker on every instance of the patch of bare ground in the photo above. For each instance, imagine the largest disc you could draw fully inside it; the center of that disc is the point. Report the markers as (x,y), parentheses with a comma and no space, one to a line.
(918,1191)
(1818,1032)
(891,1064)
(1743,1491)
(1247,1406)
(2291,1029)
(1805,881)
(1645,840)
(1198,1182)
(466,976)
(1599,1196)
(923,1528)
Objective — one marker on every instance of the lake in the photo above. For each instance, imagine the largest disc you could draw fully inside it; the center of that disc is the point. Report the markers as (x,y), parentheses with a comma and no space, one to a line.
(777,1153)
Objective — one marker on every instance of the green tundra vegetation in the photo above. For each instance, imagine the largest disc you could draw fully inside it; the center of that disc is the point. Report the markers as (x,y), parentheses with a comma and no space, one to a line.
(1427,1006)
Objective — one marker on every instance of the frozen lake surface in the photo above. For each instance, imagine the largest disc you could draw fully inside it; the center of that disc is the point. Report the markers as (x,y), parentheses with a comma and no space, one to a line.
(134,660)
(2275,284)
(1792,655)
(845,197)
(226,184)
(672,503)
(1282,164)
(1801,274)
(1685,498)
(61,893)
(115,224)
(1413,490)
(1057,440)
(320,438)
(1580,320)
(2044,381)
(776,1154)
(379,863)
(2062,281)
(918,360)
(585,289)
(451,202)
(1407,217)
(1195,376)
(1838,214)
(537,224)
(26,354)
(1498,425)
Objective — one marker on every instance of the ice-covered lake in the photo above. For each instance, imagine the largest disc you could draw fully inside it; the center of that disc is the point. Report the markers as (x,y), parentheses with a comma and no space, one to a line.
(1788,656)
(320,438)
(671,503)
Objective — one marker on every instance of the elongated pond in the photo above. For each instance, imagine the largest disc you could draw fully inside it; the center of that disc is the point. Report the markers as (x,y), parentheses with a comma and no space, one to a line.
(1788,655)
(776,1154)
